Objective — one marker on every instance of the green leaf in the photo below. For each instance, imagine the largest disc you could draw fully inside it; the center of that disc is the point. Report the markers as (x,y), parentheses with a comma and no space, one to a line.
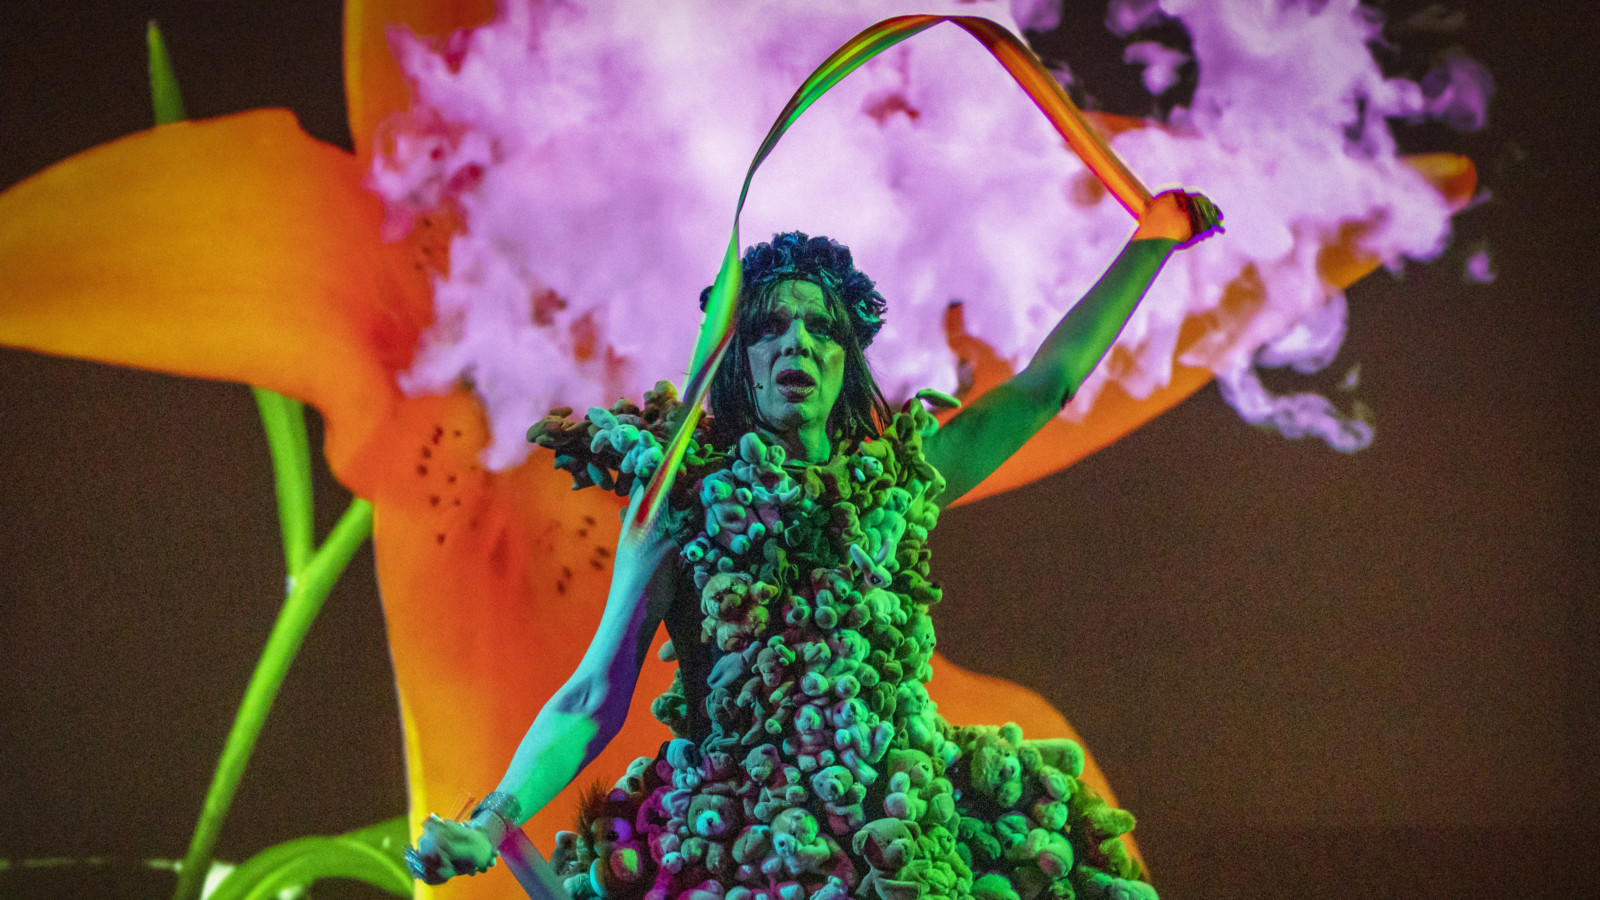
(371,855)
(164,94)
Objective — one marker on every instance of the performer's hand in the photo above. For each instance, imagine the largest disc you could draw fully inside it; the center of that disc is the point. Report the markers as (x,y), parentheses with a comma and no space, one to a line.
(447,849)
(1180,216)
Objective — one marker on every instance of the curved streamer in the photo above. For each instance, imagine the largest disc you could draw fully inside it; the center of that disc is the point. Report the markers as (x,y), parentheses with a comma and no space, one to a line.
(1024,67)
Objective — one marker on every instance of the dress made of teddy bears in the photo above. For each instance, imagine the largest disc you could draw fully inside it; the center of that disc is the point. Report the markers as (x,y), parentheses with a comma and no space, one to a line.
(808,761)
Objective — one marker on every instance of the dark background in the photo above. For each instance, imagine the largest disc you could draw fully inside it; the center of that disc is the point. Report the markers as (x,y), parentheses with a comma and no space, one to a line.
(1309,674)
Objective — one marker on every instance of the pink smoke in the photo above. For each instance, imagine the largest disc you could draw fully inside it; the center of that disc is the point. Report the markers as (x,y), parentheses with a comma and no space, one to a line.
(595,155)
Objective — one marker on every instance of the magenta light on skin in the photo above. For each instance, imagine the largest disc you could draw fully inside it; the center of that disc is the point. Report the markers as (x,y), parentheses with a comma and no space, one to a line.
(595,155)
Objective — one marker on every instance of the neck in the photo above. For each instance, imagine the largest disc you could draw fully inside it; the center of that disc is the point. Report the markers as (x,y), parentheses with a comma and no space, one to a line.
(805,442)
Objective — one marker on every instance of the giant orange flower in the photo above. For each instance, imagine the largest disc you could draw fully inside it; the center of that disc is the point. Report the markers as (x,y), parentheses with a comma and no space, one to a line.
(241,249)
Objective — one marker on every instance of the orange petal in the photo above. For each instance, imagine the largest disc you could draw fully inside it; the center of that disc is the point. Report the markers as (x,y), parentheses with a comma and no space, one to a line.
(1062,443)
(235,248)
(967,698)
(374,87)
(492,586)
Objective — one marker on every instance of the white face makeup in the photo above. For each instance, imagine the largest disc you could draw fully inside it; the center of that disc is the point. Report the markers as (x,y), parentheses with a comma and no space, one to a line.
(798,369)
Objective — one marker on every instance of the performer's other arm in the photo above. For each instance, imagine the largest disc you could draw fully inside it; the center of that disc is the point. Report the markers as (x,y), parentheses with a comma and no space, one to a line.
(986,433)
(576,723)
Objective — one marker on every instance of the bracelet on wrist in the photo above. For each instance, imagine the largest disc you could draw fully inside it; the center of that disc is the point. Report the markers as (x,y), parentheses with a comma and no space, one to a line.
(503,806)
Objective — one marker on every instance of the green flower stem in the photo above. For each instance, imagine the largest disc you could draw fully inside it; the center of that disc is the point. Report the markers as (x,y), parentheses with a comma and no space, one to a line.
(308,589)
(311,575)
(285,423)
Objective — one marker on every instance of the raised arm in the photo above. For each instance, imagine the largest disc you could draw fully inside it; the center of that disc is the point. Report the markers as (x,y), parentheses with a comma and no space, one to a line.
(983,435)
(574,725)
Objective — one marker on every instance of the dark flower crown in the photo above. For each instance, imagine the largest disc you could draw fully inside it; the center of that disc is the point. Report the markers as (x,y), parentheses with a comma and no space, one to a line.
(821,261)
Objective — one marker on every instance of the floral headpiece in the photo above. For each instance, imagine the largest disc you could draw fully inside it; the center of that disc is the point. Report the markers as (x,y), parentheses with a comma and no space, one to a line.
(822,261)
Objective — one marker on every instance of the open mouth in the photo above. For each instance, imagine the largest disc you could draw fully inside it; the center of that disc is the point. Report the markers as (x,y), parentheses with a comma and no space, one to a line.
(795,379)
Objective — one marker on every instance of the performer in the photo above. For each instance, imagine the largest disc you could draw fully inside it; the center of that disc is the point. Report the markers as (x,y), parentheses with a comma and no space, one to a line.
(791,572)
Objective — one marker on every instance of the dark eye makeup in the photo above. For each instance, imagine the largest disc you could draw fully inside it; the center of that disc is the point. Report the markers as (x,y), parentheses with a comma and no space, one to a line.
(776,322)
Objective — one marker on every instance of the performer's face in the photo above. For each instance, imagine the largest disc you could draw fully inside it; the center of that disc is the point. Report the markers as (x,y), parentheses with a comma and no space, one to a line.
(796,360)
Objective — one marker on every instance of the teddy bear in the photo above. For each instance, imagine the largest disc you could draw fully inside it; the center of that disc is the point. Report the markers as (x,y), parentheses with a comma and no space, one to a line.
(762,762)
(619,855)
(918,648)
(735,607)
(713,816)
(941,799)
(888,845)
(1056,784)
(841,796)
(753,845)
(798,844)
(977,846)
(830,610)
(916,710)
(1010,829)
(1049,814)
(883,526)
(850,650)
(1095,819)
(1063,754)
(993,766)
(1048,850)
(810,746)
(939,842)
(785,790)
(911,773)
(684,758)
(773,660)
(859,736)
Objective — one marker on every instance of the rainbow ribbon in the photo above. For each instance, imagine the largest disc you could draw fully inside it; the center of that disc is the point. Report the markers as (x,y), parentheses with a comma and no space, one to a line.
(717,330)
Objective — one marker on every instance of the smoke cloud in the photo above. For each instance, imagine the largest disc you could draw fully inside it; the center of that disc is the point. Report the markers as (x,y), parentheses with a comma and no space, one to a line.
(595,153)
